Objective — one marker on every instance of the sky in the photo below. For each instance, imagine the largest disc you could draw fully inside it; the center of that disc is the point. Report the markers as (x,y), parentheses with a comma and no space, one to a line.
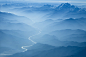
(53,1)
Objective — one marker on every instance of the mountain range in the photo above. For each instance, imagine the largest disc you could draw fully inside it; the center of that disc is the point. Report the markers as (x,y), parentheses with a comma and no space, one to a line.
(14,33)
(70,23)
(67,10)
(59,31)
(54,51)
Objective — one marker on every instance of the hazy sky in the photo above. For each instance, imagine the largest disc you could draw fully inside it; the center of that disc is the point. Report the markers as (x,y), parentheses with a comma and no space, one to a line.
(54,1)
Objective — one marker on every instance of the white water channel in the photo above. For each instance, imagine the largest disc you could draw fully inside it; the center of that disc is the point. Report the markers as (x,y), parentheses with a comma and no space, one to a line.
(25,47)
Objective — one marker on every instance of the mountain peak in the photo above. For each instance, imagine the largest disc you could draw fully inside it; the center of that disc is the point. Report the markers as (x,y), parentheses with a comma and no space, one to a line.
(66,6)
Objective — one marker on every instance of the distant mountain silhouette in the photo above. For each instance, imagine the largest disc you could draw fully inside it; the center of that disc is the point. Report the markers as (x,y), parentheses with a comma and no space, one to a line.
(14,18)
(70,23)
(13,40)
(42,47)
(66,10)
(70,35)
(14,32)
(58,51)
(55,39)
(66,6)
(62,30)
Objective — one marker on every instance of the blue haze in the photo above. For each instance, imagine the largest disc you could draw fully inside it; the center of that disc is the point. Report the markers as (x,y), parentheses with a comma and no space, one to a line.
(42,29)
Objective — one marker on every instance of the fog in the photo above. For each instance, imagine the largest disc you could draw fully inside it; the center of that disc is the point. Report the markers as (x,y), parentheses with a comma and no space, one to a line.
(34,30)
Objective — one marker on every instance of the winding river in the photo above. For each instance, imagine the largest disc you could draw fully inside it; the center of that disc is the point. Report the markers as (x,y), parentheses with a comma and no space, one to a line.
(25,47)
